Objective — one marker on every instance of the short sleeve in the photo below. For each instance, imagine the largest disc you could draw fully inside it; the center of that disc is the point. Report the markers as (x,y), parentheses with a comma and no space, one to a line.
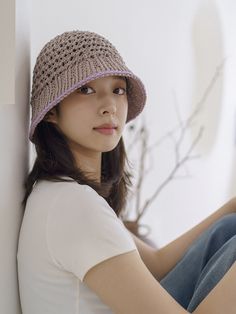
(83,230)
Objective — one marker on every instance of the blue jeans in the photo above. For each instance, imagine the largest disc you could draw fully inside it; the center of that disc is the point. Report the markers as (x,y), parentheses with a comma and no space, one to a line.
(203,264)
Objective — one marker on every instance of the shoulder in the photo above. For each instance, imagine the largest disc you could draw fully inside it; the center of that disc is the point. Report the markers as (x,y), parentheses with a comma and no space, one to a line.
(63,188)
(77,191)
(50,194)
(73,198)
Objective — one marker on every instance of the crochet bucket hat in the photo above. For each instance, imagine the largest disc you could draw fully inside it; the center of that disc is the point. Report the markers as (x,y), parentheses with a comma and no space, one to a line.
(69,61)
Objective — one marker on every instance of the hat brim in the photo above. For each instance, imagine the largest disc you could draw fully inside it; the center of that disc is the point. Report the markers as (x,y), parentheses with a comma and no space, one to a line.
(136,94)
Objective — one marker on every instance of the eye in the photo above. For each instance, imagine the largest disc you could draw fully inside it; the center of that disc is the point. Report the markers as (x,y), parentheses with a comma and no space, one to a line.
(121,88)
(84,89)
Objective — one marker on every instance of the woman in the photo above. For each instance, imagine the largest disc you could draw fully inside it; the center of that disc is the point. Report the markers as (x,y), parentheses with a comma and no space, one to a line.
(75,254)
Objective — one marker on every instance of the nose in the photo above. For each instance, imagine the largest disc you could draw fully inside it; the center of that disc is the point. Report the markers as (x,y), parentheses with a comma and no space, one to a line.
(108,106)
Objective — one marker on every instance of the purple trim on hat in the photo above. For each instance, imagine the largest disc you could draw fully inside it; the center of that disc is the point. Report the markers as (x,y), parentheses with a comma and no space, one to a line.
(81,83)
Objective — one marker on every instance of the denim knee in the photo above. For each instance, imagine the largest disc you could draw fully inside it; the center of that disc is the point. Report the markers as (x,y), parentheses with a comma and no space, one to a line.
(231,247)
(227,219)
(213,272)
(221,261)
(216,246)
(225,226)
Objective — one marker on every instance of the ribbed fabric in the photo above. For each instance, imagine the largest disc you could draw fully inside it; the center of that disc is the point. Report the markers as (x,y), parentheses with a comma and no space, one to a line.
(71,60)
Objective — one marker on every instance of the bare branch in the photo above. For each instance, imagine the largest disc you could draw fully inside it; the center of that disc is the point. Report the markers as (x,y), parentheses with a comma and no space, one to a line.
(184,124)
(180,161)
(171,175)
(141,168)
(135,139)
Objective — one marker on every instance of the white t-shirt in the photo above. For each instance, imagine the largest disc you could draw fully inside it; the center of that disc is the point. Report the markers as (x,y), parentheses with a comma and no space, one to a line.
(67,229)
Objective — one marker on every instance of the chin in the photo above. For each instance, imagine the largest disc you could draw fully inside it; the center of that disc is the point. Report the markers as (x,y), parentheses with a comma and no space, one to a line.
(109,148)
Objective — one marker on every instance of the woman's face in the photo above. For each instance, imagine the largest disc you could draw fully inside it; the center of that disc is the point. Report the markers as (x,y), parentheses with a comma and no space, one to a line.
(103,100)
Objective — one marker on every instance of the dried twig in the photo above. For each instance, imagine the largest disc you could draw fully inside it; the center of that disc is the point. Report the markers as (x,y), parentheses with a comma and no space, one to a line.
(180,161)
(187,157)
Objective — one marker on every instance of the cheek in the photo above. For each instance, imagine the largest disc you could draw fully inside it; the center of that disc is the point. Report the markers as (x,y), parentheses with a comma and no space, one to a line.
(76,123)
(123,110)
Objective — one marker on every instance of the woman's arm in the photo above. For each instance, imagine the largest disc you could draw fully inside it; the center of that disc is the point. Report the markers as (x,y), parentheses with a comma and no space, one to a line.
(168,256)
(160,261)
(124,283)
(221,299)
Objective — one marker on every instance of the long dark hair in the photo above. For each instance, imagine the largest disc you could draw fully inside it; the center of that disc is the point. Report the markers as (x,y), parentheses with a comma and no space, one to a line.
(54,159)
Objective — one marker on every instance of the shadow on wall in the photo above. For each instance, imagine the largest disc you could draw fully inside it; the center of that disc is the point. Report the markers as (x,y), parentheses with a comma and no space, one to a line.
(207,57)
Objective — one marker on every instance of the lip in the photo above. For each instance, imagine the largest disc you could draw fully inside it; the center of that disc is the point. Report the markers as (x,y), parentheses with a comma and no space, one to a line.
(106,131)
(107,126)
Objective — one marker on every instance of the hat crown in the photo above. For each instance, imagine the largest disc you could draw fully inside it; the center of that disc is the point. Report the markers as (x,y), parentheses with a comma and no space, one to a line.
(66,49)
(72,59)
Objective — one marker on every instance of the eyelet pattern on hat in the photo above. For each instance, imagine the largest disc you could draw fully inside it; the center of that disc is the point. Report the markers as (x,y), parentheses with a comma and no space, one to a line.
(71,60)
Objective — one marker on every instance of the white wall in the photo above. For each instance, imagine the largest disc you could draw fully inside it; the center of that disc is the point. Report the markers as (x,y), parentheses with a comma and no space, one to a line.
(175,47)
(14,78)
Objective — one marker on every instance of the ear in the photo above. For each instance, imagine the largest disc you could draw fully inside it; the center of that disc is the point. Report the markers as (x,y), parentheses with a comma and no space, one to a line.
(51,116)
